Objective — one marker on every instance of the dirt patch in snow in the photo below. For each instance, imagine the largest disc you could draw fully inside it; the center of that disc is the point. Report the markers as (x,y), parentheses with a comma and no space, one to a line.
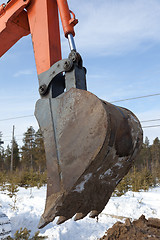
(137,230)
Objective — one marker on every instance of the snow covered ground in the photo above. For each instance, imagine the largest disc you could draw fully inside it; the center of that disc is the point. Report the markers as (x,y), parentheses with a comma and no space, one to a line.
(25,211)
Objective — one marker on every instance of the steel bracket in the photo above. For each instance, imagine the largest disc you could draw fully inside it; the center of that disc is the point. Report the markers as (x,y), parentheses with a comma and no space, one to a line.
(75,75)
(48,76)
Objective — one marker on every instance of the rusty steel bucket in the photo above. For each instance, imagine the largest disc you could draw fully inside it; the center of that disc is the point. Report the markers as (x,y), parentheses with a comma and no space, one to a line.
(90,145)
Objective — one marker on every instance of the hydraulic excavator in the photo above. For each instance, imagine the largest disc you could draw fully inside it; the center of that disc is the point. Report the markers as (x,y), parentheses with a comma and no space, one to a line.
(90,144)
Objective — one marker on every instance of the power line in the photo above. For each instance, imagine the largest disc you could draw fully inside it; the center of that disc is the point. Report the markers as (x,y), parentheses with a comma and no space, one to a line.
(121,100)
(151,126)
(11,140)
(6,119)
(128,99)
(23,135)
(150,120)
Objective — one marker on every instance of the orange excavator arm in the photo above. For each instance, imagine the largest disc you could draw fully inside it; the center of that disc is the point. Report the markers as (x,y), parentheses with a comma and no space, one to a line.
(13,24)
(39,18)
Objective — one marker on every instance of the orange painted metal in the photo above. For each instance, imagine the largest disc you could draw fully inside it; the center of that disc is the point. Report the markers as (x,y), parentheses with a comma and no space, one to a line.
(13,8)
(44,27)
(68,23)
(2,9)
(41,20)
(13,23)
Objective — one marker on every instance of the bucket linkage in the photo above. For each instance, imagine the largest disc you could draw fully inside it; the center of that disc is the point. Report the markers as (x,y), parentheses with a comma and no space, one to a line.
(90,144)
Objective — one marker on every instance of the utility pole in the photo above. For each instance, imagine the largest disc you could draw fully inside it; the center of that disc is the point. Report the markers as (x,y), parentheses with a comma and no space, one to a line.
(12,149)
(1,142)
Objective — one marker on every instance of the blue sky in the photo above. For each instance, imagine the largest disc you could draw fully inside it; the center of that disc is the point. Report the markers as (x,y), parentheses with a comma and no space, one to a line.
(120,45)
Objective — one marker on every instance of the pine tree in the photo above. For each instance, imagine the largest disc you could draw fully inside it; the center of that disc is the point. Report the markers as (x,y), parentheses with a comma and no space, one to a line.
(28,149)
(16,155)
(2,159)
(40,152)
(7,158)
(1,153)
(0,138)
(155,152)
(144,158)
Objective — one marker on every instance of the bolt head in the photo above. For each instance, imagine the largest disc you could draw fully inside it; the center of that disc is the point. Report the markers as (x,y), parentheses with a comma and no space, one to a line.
(42,89)
(67,65)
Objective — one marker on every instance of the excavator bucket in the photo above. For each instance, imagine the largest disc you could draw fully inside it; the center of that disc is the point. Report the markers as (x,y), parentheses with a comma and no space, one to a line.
(90,146)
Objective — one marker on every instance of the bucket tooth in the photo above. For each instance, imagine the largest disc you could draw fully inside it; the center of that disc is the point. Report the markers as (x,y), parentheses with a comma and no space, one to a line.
(61,220)
(42,222)
(94,214)
(79,216)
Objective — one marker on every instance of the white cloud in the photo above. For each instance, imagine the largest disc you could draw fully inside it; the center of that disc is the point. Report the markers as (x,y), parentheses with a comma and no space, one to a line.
(23,72)
(3,1)
(114,27)
(109,27)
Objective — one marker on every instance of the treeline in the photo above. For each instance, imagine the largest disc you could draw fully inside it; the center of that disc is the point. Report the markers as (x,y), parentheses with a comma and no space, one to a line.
(145,172)
(30,156)
(29,162)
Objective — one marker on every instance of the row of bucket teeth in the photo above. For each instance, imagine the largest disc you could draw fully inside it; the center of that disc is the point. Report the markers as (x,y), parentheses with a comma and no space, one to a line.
(78,216)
